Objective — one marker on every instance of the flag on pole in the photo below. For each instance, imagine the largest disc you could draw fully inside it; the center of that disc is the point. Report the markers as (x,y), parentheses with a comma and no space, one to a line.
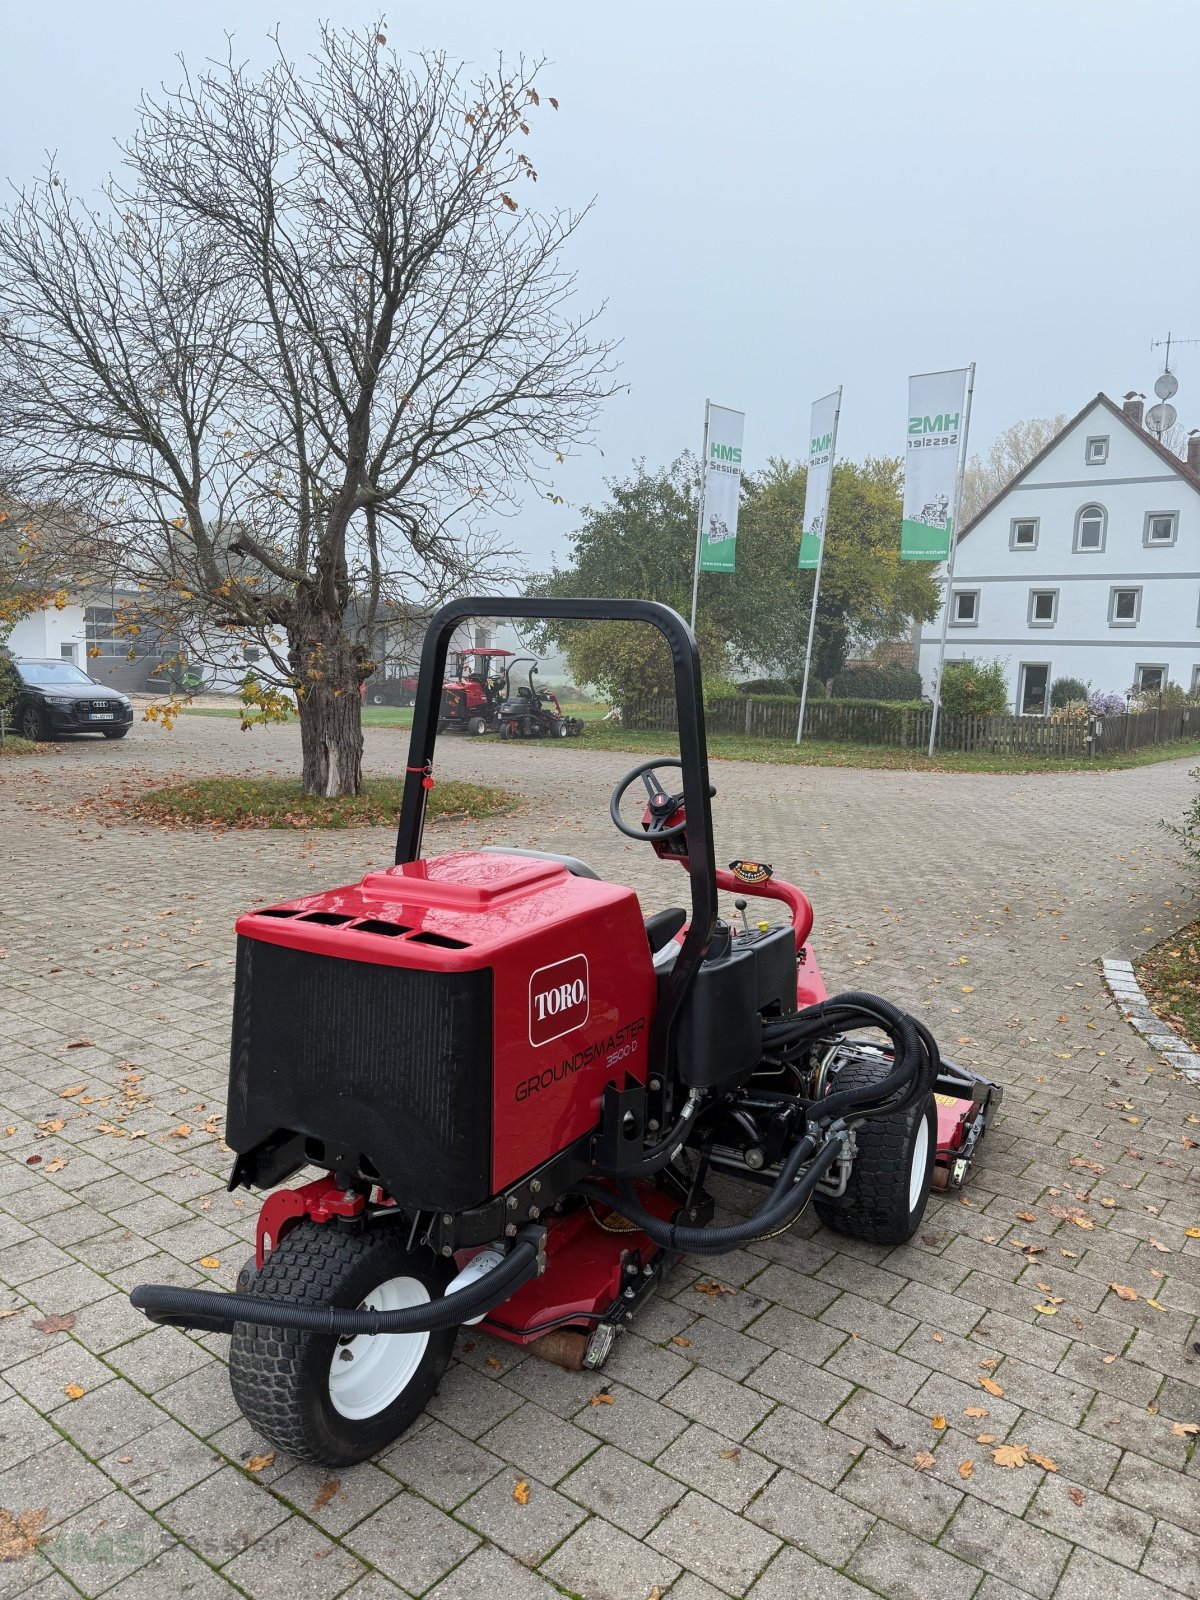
(721,489)
(822,430)
(935,418)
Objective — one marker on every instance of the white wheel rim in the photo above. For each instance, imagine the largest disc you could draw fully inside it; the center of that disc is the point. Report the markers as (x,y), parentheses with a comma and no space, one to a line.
(916,1173)
(370,1371)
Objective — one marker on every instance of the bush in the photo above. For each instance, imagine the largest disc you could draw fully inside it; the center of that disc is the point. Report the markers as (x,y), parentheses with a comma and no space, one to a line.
(772,686)
(1101,704)
(10,684)
(1171,697)
(866,682)
(978,689)
(1067,691)
(1188,832)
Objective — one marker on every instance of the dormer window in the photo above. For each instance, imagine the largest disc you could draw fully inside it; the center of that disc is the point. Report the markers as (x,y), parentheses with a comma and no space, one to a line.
(1096,452)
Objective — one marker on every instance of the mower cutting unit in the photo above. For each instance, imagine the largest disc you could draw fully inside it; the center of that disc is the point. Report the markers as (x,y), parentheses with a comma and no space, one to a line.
(513,1086)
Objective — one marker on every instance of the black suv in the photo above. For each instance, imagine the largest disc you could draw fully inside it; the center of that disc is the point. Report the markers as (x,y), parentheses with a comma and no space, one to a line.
(56,697)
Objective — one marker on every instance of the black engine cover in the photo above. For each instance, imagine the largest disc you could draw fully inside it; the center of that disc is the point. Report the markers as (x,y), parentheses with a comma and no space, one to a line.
(379,1069)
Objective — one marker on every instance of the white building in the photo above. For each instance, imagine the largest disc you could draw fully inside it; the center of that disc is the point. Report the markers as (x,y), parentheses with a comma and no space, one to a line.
(1086,566)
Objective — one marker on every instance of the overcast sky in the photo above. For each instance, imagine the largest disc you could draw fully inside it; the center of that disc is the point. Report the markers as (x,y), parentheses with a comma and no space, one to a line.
(789,195)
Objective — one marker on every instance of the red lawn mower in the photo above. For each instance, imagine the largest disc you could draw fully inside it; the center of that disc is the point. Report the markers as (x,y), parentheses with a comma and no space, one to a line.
(513,1087)
(531,712)
(473,690)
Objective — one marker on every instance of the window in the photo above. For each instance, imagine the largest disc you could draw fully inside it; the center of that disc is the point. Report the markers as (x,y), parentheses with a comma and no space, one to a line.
(1150,679)
(1043,608)
(1124,608)
(98,629)
(1033,689)
(1023,533)
(1161,527)
(67,652)
(1196,680)
(1096,453)
(964,612)
(1091,523)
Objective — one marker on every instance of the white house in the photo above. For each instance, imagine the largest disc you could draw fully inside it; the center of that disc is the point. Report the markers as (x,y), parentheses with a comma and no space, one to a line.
(1087,565)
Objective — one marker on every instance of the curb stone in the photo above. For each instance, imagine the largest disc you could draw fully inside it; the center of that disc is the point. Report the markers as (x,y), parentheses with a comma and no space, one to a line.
(1140,1014)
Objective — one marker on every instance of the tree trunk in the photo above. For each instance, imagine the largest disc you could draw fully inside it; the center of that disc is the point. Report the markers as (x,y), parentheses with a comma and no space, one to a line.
(325,664)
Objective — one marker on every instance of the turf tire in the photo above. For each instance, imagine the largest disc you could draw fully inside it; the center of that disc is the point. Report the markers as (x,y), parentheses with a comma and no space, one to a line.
(114,733)
(281,1376)
(875,1206)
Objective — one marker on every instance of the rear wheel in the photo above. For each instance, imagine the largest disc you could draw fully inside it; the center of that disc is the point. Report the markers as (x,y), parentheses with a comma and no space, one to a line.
(114,733)
(335,1400)
(889,1182)
(476,725)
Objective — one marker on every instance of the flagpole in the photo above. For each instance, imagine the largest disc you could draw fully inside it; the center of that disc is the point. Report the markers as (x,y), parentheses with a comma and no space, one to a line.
(700,514)
(812,615)
(949,595)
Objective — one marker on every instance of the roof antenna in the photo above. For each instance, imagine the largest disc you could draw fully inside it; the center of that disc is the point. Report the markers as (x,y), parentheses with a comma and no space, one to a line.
(1163,416)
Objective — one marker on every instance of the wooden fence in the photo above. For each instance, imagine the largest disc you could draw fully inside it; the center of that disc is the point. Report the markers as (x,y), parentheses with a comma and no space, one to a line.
(906,726)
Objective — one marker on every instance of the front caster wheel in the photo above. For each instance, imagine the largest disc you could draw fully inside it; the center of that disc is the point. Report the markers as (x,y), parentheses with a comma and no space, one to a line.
(889,1182)
(330,1400)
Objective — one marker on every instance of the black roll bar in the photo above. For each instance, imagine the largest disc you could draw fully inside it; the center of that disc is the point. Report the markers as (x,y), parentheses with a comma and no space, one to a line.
(693,752)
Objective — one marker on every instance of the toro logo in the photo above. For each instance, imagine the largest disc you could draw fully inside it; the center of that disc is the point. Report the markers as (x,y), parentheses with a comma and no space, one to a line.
(558,999)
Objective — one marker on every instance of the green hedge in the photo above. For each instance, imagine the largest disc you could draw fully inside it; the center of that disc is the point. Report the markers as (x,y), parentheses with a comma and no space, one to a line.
(866,682)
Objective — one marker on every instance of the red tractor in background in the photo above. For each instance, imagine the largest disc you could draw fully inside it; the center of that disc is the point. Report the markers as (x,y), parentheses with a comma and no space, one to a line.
(472,691)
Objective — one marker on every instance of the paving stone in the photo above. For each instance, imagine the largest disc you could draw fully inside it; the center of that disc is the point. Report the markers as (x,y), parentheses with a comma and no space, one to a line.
(43,1379)
(714,1543)
(411,1542)
(643,1427)
(1104,1526)
(176,1573)
(690,1587)
(726,1472)
(158,1358)
(469,1403)
(815,1391)
(487,1574)
(646,1367)
(812,1518)
(537,1441)
(223,1515)
(718,1402)
(157,1466)
(23,1432)
(799,1336)
(725,1350)
(1174,1557)
(60,1480)
(623,1490)
(903,1568)
(879,1324)
(440,1465)
(818,1453)
(599,1562)
(1091,1577)
(294,1560)
(527,1531)
(1007,1546)
(889,1487)
(105,1543)
(1156,1489)
(794,1574)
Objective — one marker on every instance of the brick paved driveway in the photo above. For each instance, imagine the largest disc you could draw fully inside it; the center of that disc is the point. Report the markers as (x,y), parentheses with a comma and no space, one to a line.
(771,1454)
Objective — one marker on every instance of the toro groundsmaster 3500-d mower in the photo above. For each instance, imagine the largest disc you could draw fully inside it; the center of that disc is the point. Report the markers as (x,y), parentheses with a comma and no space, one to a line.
(513,1086)
(528,711)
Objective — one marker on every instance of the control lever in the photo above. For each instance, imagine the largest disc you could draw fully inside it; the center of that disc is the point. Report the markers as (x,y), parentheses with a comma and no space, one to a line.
(740,905)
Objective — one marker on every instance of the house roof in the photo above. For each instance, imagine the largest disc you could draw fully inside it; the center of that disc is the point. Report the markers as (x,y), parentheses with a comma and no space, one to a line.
(1172,460)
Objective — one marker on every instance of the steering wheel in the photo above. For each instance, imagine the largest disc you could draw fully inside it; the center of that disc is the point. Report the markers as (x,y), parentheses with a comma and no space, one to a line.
(663,804)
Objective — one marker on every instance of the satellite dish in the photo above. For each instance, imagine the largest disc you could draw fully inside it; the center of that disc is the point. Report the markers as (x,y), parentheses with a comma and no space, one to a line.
(1161,417)
(1166,386)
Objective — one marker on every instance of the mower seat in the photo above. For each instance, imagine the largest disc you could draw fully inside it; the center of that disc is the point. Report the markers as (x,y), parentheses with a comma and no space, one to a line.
(662,927)
(577,868)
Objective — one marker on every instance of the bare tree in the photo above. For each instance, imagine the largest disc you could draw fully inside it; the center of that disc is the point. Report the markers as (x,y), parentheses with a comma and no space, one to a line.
(1013,449)
(307,352)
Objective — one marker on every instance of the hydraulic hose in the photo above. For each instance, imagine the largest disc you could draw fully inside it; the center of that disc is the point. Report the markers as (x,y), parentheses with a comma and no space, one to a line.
(914,1053)
(787,1199)
(209,1309)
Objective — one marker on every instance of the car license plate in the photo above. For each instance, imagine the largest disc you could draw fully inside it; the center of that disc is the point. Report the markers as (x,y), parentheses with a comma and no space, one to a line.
(100,716)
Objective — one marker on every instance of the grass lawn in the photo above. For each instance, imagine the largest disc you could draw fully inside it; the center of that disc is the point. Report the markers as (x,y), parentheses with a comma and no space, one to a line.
(1170,976)
(15,746)
(278,803)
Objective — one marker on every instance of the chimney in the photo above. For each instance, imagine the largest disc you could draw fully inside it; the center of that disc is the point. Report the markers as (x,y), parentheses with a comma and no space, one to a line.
(1193,451)
(1132,407)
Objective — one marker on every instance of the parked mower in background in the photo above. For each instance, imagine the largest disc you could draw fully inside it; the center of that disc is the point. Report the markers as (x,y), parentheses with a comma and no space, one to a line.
(513,1086)
(531,712)
(473,691)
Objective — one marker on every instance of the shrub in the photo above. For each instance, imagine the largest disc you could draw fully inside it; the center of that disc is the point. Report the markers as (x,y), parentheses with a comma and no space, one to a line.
(867,682)
(1101,704)
(980,689)
(10,684)
(771,686)
(1171,697)
(1188,832)
(1066,691)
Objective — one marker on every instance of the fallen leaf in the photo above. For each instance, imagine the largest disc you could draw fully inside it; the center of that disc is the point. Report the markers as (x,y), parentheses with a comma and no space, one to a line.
(684,1344)
(1157,1244)
(985,1438)
(69,1094)
(210,1261)
(1071,1255)
(57,1164)
(1157,1306)
(1047,1463)
(603,1398)
(711,1287)
(1123,1291)
(992,1387)
(938,1338)
(891,1443)
(937,1423)
(56,1322)
(492,1362)
(1188,1233)
(521,1493)
(729,1455)
(1045,1311)
(1026,1216)
(923,1461)
(260,1463)
(19,1534)
(182,1131)
(1010,1455)
(1085,1223)
(78,1044)
(965,1469)
(975,1411)
(1075,1496)
(326,1493)
(967,988)
(74,1392)
(1185,1430)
